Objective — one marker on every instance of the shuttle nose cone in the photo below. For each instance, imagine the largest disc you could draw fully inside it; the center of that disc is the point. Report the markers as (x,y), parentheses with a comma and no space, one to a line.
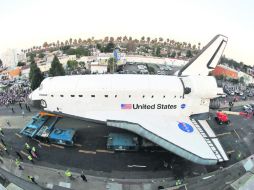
(35,103)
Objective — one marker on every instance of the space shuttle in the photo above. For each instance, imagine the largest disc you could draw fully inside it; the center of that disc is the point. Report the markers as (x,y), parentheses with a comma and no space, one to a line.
(170,111)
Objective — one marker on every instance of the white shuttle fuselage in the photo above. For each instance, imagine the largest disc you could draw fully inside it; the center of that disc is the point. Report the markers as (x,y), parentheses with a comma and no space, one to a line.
(159,108)
(85,96)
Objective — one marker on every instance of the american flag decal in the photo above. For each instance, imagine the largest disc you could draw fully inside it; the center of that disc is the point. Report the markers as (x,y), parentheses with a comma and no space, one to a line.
(126,106)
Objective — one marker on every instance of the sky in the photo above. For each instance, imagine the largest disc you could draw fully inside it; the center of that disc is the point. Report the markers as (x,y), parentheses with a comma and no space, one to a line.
(25,23)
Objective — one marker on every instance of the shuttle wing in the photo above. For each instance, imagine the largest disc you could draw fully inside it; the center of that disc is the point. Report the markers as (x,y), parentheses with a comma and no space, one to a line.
(206,59)
(189,138)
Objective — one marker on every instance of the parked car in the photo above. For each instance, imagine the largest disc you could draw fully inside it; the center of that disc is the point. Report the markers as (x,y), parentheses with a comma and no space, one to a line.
(243,97)
(247,107)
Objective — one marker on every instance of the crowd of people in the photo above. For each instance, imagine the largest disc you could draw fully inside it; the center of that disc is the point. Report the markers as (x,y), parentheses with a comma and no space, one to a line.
(15,94)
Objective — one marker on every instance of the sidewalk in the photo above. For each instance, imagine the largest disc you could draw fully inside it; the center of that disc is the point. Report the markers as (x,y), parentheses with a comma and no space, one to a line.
(240,103)
(51,178)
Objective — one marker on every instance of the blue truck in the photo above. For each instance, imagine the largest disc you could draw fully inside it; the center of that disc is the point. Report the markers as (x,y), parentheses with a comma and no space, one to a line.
(42,127)
(129,142)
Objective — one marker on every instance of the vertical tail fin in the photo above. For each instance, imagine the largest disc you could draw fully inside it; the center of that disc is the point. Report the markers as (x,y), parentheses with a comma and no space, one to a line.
(207,59)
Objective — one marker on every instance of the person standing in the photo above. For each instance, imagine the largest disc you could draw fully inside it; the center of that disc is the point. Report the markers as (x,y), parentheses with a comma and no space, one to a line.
(31,178)
(83,176)
(27,146)
(30,159)
(8,123)
(3,142)
(28,107)
(19,155)
(1,131)
(18,164)
(68,174)
(20,105)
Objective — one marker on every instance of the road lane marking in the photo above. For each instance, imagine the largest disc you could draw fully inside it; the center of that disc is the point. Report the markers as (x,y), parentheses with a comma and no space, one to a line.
(231,151)
(57,146)
(136,166)
(237,134)
(79,145)
(87,152)
(18,135)
(222,134)
(43,144)
(37,140)
(207,177)
(22,152)
(105,151)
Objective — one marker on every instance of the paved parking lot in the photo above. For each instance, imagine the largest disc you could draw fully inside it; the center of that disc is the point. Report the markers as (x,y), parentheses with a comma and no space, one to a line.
(134,68)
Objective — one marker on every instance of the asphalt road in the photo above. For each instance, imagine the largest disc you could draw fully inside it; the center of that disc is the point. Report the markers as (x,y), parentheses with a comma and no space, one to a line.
(90,152)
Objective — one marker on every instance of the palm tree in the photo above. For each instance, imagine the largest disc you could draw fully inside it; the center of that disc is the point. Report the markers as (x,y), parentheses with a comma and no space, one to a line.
(75,42)
(66,42)
(45,45)
(106,39)
(125,38)
(111,39)
(70,40)
(79,41)
(148,39)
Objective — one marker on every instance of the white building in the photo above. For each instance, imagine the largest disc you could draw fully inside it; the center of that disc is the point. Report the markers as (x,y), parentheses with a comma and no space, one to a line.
(96,67)
(65,58)
(9,58)
(156,60)
(248,79)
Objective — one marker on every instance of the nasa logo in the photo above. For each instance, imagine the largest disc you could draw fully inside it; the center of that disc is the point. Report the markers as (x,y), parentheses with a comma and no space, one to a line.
(185,127)
(183,106)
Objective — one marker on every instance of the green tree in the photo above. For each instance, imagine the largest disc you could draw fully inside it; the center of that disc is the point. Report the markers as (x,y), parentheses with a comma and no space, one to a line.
(99,47)
(35,75)
(20,64)
(158,51)
(82,64)
(151,70)
(241,80)
(56,68)
(1,63)
(32,67)
(173,54)
(112,66)
(72,64)
(109,47)
(188,54)
(41,55)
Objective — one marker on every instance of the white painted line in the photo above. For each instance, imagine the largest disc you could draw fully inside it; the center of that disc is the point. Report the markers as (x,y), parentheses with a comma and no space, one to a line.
(136,166)
(207,177)
(87,152)
(57,146)
(105,151)
(237,134)
(18,135)
(79,145)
